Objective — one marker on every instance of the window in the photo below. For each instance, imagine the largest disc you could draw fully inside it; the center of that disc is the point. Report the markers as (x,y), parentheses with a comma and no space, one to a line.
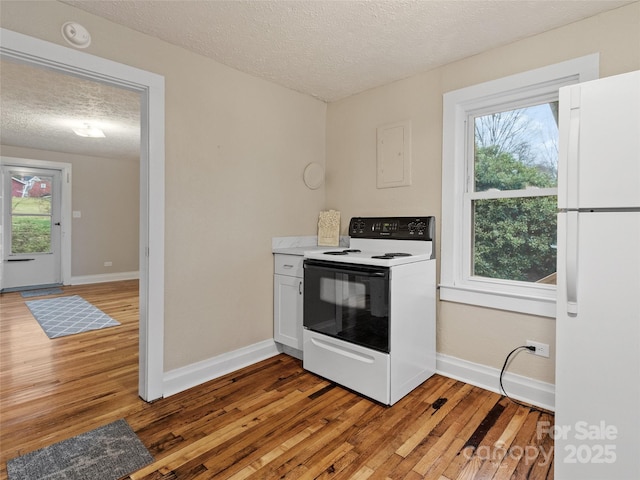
(513,193)
(30,214)
(500,162)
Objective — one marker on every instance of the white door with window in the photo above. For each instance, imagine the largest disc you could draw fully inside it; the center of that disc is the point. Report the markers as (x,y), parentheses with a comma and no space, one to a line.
(32,230)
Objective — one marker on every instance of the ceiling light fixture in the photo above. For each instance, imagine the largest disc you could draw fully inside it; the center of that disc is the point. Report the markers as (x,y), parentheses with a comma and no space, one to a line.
(88,131)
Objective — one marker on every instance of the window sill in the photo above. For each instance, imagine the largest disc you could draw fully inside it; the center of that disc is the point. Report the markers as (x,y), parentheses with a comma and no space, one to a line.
(529,304)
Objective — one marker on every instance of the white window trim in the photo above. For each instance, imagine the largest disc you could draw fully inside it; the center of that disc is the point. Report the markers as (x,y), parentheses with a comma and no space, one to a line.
(455,282)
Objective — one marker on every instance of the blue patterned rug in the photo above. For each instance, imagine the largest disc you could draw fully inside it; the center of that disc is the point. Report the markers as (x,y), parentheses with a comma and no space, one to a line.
(64,316)
(106,453)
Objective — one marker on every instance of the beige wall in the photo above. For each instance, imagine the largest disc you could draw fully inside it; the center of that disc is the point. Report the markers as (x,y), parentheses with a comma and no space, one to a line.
(106,192)
(475,334)
(236,148)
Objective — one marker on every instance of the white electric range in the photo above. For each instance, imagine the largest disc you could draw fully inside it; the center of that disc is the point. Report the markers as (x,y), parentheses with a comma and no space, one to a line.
(369,310)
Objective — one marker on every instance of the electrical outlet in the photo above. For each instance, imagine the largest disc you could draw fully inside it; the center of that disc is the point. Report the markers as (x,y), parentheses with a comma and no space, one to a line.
(108,264)
(542,349)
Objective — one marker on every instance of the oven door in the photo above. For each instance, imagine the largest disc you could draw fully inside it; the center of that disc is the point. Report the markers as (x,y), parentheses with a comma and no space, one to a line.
(348,302)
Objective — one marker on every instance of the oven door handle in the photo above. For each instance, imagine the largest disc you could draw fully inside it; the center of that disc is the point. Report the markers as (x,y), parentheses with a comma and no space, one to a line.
(361,270)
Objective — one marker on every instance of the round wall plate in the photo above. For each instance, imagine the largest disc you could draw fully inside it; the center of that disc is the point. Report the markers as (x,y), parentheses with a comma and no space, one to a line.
(313,176)
(76,35)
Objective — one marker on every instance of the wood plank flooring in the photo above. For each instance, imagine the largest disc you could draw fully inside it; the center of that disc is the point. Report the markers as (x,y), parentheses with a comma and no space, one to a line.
(270,420)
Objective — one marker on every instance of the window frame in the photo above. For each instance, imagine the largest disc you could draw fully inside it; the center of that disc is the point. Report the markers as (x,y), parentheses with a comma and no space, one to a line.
(516,91)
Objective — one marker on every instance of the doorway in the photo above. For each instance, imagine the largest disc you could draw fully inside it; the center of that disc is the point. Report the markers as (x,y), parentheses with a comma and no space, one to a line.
(22,48)
(33,234)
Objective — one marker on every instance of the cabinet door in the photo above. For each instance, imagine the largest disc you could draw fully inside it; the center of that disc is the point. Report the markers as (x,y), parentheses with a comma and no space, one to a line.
(287,310)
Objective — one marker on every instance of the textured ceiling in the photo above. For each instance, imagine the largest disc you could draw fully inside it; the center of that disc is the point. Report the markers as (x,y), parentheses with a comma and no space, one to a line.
(326,48)
(332,49)
(39,108)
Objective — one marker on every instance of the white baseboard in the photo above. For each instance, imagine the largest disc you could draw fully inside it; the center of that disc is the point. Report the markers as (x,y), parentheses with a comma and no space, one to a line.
(521,388)
(183,378)
(104,277)
(518,387)
(292,352)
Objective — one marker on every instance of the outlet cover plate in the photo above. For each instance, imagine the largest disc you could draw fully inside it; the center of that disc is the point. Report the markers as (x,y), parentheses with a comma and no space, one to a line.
(542,349)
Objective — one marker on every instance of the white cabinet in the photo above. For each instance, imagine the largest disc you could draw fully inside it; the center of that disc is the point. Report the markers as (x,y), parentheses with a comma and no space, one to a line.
(287,300)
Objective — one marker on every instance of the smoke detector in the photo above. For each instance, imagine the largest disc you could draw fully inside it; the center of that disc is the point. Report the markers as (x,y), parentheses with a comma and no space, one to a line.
(76,35)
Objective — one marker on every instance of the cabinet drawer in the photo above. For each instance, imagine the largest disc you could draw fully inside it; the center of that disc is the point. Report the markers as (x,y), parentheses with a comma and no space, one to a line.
(288,265)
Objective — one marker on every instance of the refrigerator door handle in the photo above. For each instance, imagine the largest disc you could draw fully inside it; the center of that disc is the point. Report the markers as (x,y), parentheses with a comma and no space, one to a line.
(573,150)
(572,262)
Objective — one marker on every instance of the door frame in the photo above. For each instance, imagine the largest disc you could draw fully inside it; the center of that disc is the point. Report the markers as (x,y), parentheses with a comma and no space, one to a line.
(33,51)
(65,208)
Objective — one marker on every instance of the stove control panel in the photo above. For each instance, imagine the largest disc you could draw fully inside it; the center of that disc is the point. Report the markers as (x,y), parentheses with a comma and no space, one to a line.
(397,228)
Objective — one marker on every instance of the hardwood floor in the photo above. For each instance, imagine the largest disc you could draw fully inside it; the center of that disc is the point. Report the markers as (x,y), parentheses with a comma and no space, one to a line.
(52,389)
(270,420)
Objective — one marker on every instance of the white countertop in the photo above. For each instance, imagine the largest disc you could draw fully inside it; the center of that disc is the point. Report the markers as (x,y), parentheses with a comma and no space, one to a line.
(299,245)
(292,250)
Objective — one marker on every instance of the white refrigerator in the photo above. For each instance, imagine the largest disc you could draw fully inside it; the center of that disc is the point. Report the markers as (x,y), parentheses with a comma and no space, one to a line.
(597,418)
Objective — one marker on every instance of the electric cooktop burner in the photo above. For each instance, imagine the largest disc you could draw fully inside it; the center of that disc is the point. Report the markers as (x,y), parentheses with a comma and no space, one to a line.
(392,255)
(384,256)
(343,252)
